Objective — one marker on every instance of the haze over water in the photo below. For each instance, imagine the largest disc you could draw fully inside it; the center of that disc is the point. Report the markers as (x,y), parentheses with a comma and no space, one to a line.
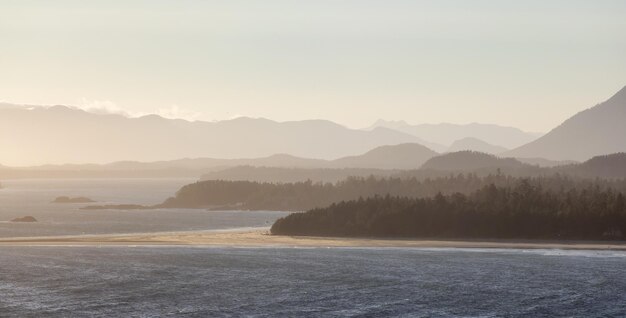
(285,158)
(34,197)
(273,281)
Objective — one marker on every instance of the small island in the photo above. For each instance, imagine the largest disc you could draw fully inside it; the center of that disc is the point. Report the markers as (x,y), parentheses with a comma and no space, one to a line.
(65,199)
(25,219)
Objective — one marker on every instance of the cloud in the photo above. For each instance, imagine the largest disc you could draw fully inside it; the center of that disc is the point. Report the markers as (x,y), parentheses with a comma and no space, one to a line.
(235,116)
(103,107)
(176,112)
(106,107)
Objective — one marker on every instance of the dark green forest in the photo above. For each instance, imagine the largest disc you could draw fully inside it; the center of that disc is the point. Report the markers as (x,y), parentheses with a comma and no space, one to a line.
(522,209)
(302,196)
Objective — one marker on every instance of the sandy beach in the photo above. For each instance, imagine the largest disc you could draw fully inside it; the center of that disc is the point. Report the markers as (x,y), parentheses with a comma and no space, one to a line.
(262,238)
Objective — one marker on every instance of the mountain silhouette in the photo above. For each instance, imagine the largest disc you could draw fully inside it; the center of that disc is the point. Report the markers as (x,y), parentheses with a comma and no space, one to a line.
(381,161)
(63,134)
(612,166)
(475,144)
(403,156)
(471,161)
(396,157)
(607,166)
(596,131)
(445,134)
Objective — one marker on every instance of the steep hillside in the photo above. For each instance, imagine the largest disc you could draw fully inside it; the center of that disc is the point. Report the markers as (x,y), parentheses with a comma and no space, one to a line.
(607,166)
(596,131)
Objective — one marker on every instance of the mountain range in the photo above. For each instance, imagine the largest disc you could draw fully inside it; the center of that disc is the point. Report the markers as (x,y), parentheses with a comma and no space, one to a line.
(69,135)
(465,162)
(605,166)
(402,156)
(59,134)
(445,134)
(404,160)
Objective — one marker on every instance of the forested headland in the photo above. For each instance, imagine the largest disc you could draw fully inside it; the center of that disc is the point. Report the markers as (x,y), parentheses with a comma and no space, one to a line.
(524,209)
(301,196)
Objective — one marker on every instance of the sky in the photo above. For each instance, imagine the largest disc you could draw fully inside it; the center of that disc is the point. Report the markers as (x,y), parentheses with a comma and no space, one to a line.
(527,64)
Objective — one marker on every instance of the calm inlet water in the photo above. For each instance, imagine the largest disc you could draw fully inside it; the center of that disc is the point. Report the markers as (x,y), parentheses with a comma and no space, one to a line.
(33,197)
(150,281)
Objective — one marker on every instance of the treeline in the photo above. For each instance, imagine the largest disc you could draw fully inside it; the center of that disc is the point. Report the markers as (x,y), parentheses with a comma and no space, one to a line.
(607,166)
(290,175)
(301,196)
(524,209)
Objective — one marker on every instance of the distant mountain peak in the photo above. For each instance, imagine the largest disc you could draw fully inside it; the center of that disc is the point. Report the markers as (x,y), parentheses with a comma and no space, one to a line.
(152,117)
(595,131)
(621,93)
(468,160)
(390,124)
(282,156)
(71,135)
(400,156)
(403,147)
(394,122)
(475,144)
(248,119)
(619,98)
(447,133)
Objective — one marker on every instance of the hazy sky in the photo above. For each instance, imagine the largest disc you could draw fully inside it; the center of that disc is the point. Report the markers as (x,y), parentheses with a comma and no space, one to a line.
(529,64)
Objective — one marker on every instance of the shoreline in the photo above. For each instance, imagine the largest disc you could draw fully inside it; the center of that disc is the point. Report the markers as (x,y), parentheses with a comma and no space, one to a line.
(262,238)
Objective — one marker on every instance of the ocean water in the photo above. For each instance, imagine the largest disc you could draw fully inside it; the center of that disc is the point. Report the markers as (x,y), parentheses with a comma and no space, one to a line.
(309,282)
(200,281)
(33,197)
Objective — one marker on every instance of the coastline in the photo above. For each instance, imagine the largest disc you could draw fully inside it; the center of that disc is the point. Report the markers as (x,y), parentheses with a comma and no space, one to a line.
(262,238)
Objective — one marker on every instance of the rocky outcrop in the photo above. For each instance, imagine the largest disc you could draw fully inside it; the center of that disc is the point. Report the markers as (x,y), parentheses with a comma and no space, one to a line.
(27,218)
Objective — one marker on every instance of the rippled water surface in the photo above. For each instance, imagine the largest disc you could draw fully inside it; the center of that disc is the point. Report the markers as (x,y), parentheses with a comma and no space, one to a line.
(150,281)
(318,282)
